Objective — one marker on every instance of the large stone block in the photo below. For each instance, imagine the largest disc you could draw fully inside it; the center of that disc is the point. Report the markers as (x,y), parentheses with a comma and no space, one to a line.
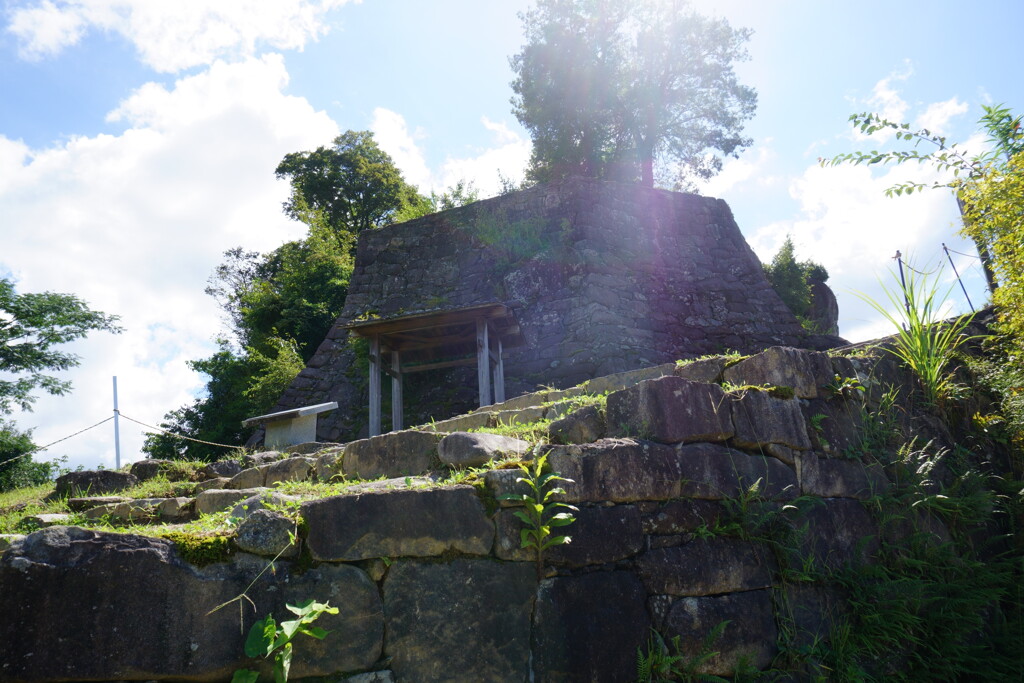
(249,478)
(149,468)
(837,533)
(126,607)
(465,449)
(836,424)
(761,419)
(618,470)
(585,425)
(398,523)
(707,370)
(707,567)
(215,500)
(599,535)
(396,454)
(220,468)
(589,627)
(804,371)
(465,620)
(750,635)
(93,483)
(834,478)
(296,468)
(680,516)
(714,472)
(670,410)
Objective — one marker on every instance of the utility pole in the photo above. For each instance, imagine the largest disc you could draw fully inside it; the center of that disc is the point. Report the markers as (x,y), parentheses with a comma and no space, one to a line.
(117,431)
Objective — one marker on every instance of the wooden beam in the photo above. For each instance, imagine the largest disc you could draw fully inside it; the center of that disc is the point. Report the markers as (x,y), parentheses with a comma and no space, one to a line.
(375,388)
(499,377)
(483,363)
(439,365)
(396,391)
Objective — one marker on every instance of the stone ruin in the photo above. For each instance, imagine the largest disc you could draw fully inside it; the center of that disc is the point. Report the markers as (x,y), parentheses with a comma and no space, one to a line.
(598,278)
(429,576)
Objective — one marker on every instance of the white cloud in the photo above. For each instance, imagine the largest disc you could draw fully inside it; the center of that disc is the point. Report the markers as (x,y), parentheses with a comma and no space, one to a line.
(754,164)
(135,223)
(937,115)
(885,100)
(847,224)
(45,30)
(172,36)
(392,134)
(508,156)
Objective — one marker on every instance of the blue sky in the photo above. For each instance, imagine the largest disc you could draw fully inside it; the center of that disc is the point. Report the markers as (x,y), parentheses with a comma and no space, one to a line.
(138,141)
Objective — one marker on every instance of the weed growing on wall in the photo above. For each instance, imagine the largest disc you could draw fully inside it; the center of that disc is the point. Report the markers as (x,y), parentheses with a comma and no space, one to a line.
(922,341)
(666,661)
(540,513)
(267,638)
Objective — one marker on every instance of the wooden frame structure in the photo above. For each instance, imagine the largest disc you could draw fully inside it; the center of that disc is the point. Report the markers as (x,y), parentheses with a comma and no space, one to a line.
(432,341)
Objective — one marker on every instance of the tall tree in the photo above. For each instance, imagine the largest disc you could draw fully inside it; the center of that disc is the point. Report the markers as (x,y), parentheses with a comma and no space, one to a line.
(630,90)
(31,326)
(354,183)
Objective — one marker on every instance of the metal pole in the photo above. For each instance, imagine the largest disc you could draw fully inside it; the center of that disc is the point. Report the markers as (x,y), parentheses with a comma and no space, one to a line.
(117,430)
(955,272)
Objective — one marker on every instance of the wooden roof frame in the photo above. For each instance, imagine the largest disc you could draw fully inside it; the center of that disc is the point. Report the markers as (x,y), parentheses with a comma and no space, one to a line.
(434,340)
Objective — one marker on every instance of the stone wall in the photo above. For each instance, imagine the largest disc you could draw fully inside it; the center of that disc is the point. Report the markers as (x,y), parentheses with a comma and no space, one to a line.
(696,506)
(603,277)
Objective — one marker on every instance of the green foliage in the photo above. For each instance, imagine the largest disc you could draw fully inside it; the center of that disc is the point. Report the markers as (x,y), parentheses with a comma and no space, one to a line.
(241,385)
(354,183)
(539,513)
(515,240)
(792,280)
(923,342)
(31,325)
(533,432)
(661,663)
(606,89)
(993,216)
(988,185)
(16,471)
(267,638)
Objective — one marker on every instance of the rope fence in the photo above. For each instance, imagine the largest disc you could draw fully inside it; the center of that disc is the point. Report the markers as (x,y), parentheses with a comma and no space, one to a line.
(104,421)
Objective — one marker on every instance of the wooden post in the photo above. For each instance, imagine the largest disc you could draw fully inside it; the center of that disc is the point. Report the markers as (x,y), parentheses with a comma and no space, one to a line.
(375,388)
(499,374)
(483,362)
(396,391)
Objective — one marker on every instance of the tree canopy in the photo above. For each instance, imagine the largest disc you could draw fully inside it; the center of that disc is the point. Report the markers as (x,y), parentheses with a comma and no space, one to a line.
(279,306)
(354,184)
(31,326)
(792,280)
(630,90)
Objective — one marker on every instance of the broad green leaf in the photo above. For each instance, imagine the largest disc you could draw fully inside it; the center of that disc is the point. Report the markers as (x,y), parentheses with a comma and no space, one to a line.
(245,676)
(283,663)
(260,641)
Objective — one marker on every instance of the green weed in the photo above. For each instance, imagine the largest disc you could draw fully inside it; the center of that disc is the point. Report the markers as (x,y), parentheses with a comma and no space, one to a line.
(540,513)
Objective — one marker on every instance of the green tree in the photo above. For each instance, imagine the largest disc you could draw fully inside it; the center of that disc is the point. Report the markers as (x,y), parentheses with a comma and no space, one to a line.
(354,184)
(17,471)
(994,216)
(630,90)
(792,279)
(31,326)
(240,385)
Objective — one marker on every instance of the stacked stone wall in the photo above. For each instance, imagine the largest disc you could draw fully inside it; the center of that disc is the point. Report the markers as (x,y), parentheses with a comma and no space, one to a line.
(431,579)
(603,278)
